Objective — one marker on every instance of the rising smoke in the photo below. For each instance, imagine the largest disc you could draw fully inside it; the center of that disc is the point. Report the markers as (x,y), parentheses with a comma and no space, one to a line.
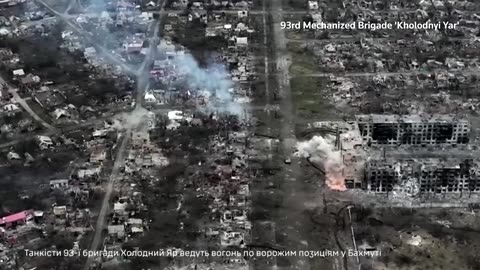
(214,79)
(322,151)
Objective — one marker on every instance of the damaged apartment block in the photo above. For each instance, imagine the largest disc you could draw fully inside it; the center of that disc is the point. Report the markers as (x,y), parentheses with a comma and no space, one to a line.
(413,129)
(424,159)
(417,176)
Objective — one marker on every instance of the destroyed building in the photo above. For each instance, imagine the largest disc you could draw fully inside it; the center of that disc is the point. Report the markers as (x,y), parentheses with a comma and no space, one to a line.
(379,170)
(417,176)
(378,129)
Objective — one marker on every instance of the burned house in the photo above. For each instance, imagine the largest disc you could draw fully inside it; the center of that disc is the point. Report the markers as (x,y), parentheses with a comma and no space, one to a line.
(90,173)
(45,142)
(49,99)
(417,176)
(378,129)
(98,153)
(134,44)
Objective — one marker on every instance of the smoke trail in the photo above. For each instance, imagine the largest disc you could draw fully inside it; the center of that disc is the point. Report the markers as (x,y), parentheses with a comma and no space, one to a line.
(322,151)
(214,79)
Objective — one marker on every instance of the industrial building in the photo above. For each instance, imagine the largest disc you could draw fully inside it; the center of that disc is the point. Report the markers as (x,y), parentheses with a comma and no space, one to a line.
(377,129)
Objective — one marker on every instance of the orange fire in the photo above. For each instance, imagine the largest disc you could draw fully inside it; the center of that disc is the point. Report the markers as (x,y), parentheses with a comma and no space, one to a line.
(334,177)
(336,184)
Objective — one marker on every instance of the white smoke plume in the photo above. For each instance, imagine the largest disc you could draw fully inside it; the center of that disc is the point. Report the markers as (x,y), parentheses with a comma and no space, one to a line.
(214,79)
(320,150)
(137,119)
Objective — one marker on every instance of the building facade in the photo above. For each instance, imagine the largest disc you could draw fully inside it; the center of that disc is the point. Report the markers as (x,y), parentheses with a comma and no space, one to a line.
(417,176)
(378,129)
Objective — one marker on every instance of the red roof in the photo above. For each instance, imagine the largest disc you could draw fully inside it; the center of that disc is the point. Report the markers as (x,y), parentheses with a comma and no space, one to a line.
(15,217)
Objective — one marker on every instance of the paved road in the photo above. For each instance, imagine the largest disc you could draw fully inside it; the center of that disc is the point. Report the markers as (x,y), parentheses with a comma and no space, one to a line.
(24,104)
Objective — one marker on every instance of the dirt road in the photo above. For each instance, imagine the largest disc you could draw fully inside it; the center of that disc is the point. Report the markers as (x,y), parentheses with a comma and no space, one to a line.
(24,104)
(288,225)
(295,197)
(116,173)
(142,86)
(89,37)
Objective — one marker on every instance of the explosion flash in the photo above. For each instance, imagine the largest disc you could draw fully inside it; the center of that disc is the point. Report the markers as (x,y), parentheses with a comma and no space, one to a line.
(322,151)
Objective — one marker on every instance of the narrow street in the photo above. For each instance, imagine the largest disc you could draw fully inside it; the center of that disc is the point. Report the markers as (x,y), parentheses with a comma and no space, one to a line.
(115,174)
(119,161)
(24,105)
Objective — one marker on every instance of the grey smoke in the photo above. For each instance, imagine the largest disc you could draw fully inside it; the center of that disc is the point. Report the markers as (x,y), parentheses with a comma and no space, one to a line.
(214,78)
(322,151)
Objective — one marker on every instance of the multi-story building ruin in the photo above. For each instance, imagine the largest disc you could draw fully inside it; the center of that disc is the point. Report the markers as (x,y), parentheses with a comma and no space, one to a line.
(416,176)
(382,170)
(377,129)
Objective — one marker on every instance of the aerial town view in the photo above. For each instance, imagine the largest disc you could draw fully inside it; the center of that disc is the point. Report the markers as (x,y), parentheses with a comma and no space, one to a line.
(239,134)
